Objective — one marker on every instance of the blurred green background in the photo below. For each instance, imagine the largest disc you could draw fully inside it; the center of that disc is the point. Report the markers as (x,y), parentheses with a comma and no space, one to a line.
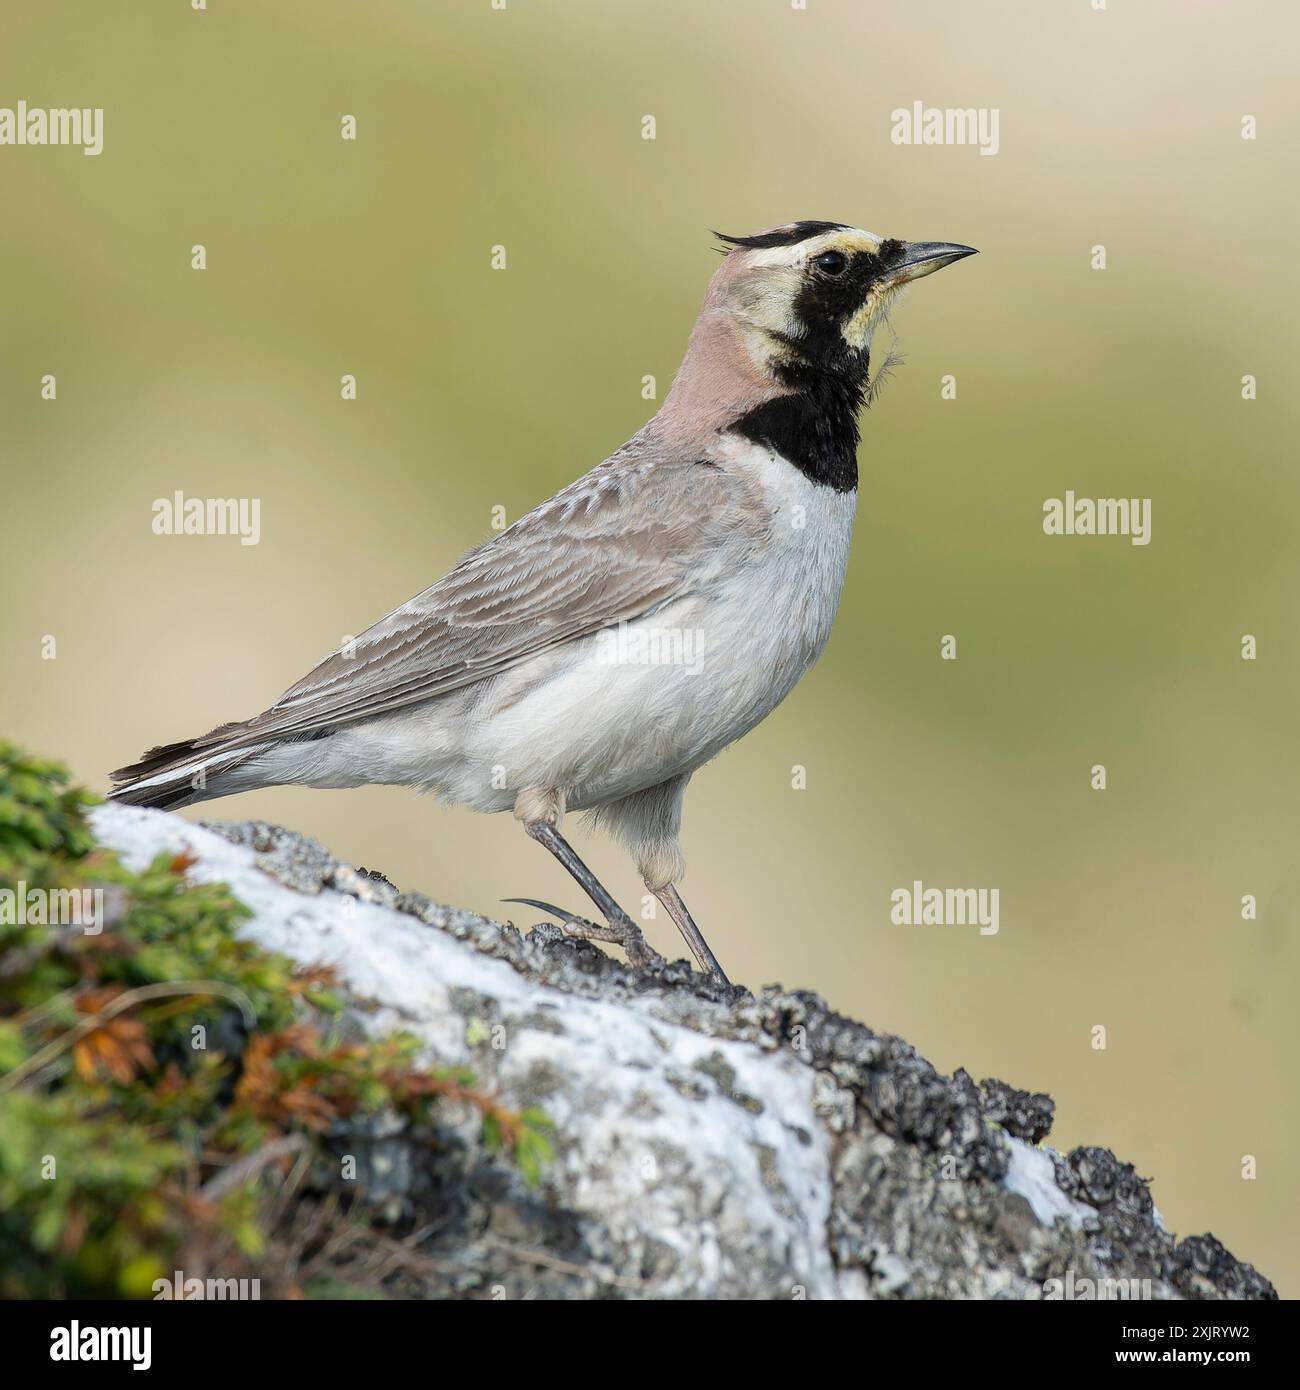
(481,388)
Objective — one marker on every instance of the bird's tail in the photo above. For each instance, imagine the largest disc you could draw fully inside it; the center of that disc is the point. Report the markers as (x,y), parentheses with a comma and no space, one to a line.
(179,774)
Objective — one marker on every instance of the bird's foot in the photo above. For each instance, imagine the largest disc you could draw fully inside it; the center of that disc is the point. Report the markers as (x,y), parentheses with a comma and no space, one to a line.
(620,931)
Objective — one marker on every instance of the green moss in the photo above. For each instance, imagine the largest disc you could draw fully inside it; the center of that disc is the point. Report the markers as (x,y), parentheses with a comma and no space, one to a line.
(139,1062)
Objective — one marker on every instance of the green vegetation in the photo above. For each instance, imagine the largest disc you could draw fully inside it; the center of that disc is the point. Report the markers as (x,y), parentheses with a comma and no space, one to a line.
(166,1087)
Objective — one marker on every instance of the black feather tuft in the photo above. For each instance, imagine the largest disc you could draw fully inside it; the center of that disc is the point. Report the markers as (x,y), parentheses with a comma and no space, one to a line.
(790,235)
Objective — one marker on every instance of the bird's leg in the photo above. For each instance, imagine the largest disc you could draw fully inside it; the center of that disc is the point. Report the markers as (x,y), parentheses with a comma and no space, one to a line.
(677,910)
(621,931)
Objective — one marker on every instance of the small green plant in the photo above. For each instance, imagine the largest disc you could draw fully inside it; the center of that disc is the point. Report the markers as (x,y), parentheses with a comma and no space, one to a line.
(160,1077)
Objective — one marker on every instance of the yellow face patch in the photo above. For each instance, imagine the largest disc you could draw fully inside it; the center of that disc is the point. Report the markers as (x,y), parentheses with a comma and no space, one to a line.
(857,329)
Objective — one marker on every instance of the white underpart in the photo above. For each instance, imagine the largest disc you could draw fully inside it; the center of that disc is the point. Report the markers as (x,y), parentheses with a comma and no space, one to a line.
(574,721)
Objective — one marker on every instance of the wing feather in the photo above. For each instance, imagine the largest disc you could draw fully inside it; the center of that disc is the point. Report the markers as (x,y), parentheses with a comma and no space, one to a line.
(611,547)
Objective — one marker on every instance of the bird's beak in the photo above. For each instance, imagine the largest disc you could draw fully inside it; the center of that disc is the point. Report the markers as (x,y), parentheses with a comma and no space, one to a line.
(925,257)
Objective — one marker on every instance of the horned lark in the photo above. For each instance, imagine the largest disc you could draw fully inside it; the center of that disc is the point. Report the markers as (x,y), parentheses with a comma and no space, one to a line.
(620,635)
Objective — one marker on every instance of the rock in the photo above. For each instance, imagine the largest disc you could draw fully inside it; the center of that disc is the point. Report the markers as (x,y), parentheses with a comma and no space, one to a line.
(710,1143)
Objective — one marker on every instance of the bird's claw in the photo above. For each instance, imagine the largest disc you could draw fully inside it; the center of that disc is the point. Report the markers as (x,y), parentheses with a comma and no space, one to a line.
(624,933)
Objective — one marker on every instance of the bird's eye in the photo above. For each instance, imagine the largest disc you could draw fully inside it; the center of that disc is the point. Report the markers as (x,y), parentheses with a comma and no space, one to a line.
(831,262)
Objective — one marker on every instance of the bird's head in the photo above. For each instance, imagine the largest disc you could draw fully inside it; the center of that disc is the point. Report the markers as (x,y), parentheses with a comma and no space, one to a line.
(808,296)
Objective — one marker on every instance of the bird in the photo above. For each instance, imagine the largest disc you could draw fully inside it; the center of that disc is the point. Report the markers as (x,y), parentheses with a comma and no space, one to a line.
(596,653)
